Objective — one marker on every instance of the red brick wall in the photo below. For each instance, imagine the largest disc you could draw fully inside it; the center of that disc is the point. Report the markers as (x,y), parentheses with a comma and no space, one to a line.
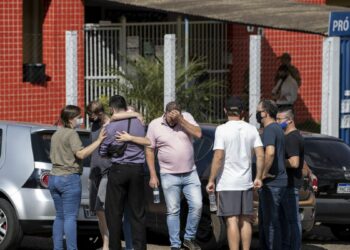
(38,102)
(306,52)
(239,47)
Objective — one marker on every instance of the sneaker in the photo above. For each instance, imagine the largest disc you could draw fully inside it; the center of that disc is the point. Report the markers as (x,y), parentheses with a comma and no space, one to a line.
(191,244)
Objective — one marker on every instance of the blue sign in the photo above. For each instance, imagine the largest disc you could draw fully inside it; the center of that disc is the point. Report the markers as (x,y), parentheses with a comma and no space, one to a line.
(339,24)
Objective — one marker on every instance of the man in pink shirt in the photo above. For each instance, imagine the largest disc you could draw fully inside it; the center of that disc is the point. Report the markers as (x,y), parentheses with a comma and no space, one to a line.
(172,135)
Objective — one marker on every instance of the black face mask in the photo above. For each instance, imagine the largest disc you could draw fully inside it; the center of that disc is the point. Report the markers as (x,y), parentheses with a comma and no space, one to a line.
(97,119)
(91,119)
(258,117)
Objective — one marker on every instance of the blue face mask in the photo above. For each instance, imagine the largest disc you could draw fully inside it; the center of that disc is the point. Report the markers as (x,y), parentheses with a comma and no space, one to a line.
(284,125)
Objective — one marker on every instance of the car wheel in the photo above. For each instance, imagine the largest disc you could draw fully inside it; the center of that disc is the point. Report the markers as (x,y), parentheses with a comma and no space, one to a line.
(211,233)
(342,232)
(10,229)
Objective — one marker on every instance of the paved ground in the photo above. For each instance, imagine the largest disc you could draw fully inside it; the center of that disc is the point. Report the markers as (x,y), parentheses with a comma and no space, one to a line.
(320,238)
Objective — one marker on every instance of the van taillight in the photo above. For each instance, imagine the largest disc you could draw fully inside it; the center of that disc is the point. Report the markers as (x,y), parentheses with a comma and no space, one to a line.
(38,179)
(44,179)
(315,182)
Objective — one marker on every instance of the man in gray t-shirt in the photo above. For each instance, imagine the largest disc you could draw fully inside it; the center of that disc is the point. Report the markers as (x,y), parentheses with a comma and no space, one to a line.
(98,164)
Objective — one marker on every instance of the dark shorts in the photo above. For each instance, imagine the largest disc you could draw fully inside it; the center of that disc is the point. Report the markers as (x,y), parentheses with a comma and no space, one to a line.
(234,203)
(97,192)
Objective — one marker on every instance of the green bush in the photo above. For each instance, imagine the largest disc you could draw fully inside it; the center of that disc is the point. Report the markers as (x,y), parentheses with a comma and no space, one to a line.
(143,86)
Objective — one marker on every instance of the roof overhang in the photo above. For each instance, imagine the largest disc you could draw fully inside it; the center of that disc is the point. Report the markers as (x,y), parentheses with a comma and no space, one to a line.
(279,14)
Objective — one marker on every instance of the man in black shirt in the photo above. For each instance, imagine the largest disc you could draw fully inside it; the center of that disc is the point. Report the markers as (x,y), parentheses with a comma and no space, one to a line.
(294,150)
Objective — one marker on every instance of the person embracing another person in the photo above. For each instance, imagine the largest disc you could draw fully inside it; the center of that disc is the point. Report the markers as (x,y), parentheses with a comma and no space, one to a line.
(99,167)
(66,154)
(124,146)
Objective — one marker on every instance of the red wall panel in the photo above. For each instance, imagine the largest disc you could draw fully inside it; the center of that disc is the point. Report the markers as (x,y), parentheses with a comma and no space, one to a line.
(23,101)
(306,52)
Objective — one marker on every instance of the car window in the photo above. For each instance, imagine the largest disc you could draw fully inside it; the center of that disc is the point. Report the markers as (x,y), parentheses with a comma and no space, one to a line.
(202,147)
(327,153)
(41,142)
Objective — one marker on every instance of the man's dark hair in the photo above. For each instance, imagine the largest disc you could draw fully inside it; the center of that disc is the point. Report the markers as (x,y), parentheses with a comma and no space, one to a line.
(234,106)
(270,107)
(286,56)
(288,110)
(95,107)
(172,106)
(283,68)
(117,102)
(69,112)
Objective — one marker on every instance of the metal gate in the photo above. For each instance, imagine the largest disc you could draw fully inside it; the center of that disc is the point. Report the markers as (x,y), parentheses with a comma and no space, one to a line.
(107,45)
(101,57)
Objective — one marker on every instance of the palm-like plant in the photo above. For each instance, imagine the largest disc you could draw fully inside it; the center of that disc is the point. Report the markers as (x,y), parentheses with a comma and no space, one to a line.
(143,86)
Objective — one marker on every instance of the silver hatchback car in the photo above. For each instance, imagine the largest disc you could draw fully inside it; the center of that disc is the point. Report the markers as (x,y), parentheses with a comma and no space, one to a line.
(26,206)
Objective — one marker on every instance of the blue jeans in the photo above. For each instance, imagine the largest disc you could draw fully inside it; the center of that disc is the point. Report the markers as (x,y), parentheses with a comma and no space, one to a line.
(66,193)
(292,228)
(127,230)
(190,185)
(272,204)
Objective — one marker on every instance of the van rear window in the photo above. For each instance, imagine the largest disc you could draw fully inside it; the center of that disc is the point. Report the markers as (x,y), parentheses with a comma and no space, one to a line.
(327,153)
(41,142)
(202,147)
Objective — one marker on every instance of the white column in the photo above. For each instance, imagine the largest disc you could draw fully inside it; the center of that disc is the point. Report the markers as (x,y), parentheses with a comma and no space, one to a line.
(169,68)
(330,86)
(187,33)
(254,76)
(71,67)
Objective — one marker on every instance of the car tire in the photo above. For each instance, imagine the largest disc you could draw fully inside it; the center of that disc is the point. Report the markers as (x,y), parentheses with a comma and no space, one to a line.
(219,230)
(11,229)
(211,233)
(342,232)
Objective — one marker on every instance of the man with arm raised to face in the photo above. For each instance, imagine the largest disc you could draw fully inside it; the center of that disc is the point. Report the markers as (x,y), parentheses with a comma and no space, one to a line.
(171,135)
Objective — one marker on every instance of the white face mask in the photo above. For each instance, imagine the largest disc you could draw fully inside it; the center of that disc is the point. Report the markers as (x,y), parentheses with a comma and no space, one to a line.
(79,122)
